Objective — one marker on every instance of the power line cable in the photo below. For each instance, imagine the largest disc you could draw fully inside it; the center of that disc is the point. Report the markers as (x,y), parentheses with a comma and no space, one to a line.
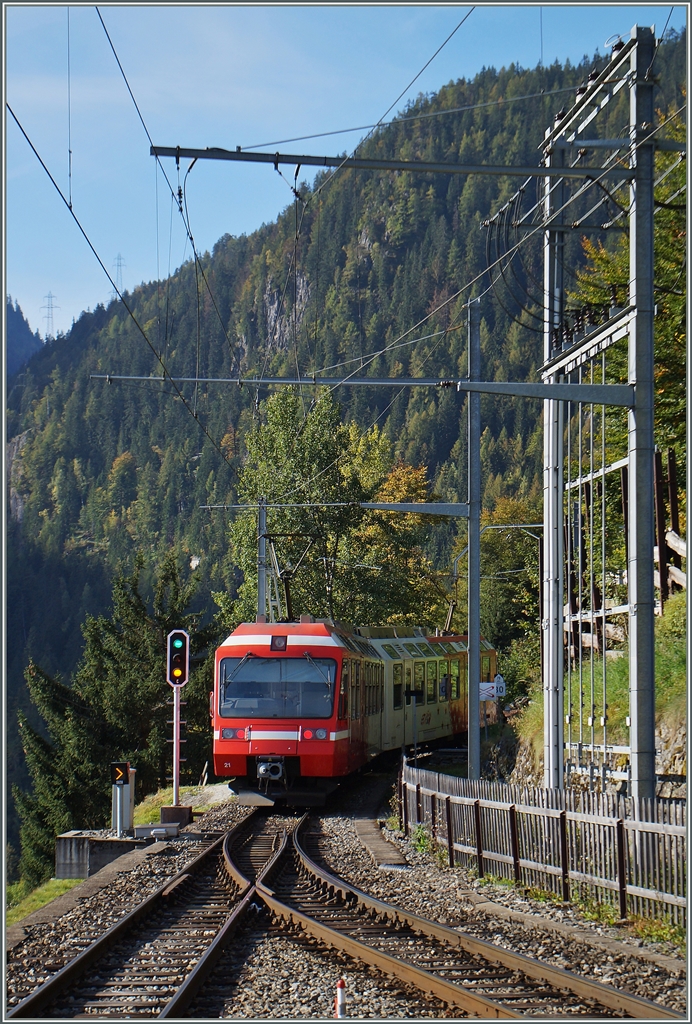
(151,143)
(164,369)
(380,123)
(502,101)
(589,183)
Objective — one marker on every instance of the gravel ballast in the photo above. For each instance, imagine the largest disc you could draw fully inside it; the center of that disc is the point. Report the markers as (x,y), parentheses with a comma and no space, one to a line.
(452,898)
(284,976)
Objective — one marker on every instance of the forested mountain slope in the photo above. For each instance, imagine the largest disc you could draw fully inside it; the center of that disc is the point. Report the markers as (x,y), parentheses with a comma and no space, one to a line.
(21,342)
(100,471)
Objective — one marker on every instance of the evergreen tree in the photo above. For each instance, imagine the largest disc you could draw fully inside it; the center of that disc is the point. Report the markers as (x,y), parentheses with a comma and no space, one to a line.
(117,709)
(355,565)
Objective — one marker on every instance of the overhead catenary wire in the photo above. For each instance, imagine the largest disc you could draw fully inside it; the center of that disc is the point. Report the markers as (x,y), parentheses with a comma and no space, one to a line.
(331,176)
(379,124)
(139,327)
(523,241)
(151,143)
(502,101)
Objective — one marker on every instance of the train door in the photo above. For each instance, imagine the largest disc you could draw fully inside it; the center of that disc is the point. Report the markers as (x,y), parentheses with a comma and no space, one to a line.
(444,695)
(408,703)
(419,688)
(379,711)
(356,721)
(395,710)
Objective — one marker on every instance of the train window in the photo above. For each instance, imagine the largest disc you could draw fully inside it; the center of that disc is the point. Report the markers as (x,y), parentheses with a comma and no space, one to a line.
(397,687)
(454,674)
(276,687)
(419,678)
(444,680)
(343,690)
(408,684)
(432,682)
(355,689)
(485,669)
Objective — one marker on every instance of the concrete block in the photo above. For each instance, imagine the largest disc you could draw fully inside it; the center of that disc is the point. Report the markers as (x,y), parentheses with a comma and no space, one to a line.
(72,855)
(147,831)
(80,856)
(179,815)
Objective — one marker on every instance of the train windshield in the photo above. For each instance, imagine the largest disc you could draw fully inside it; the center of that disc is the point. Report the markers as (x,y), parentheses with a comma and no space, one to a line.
(254,687)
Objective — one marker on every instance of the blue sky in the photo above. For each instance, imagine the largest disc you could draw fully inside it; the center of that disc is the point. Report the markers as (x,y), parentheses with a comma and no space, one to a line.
(222,75)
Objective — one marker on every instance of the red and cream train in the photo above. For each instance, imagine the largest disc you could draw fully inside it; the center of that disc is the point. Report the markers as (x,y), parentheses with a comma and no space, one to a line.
(298,706)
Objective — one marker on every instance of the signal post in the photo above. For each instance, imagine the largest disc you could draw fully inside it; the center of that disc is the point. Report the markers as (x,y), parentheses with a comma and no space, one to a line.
(177,675)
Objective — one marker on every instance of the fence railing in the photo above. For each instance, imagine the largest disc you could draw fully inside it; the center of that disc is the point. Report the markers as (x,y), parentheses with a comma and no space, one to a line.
(614,849)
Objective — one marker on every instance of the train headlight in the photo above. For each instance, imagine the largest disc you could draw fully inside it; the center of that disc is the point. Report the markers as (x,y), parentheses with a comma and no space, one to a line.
(233,734)
(314,734)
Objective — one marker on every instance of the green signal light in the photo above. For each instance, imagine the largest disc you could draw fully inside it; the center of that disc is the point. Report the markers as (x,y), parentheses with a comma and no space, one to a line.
(177,642)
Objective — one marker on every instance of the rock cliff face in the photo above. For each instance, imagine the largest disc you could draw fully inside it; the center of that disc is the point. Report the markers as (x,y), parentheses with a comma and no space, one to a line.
(671,761)
(671,758)
(14,474)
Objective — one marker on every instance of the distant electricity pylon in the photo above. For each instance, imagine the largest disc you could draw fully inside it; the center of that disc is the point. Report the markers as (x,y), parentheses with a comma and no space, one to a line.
(118,264)
(49,307)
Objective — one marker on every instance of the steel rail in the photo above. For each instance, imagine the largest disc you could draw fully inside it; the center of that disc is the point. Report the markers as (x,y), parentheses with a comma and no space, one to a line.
(241,880)
(557,977)
(176,1008)
(60,982)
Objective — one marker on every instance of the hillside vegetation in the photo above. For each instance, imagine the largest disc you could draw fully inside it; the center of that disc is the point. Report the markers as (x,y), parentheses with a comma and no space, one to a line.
(108,481)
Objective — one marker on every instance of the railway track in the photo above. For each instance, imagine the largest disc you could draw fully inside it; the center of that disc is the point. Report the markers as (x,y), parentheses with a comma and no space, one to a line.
(141,962)
(161,959)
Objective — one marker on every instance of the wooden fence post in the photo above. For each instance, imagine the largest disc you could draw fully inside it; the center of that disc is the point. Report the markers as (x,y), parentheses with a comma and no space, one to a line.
(433,815)
(418,803)
(564,856)
(404,805)
(450,831)
(514,840)
(622,867)
(479,838)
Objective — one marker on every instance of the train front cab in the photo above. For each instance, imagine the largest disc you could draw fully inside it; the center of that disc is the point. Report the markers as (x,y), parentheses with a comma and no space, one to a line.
(295,707)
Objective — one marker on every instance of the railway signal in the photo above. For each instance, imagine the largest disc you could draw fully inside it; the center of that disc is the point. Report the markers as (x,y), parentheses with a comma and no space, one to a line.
(178,661)
(120,773)
(120,776)
(177,674)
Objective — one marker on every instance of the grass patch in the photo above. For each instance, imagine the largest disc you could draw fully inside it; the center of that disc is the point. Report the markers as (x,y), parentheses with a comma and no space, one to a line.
(651,930)
(595,910)
(508,883)
(671,684)
(421,840)
(150,808)
(21,903)
(541,895)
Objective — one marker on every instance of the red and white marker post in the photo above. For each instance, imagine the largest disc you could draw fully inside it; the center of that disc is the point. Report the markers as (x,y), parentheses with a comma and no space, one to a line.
(340,1001)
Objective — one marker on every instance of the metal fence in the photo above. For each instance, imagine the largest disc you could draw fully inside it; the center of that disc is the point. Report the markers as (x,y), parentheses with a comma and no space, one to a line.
(610,848)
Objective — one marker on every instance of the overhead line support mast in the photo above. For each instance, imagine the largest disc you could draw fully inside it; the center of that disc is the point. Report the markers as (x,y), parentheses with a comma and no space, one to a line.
(629,68)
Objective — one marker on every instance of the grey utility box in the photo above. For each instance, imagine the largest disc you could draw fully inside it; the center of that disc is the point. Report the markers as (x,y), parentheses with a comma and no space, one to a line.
(128,797)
